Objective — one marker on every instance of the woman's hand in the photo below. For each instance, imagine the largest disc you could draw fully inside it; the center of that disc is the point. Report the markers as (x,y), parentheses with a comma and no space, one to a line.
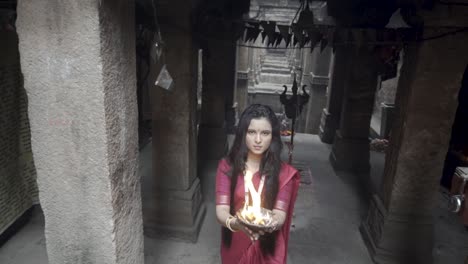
(238,225)
(278,220)
(273,226)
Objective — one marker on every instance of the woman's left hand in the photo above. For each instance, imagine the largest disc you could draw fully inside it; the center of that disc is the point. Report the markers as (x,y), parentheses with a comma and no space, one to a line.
(277,221)
(273,227)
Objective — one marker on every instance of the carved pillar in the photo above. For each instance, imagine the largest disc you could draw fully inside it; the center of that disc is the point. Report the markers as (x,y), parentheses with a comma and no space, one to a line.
(219,67)
(399,225)
(242,78)
(252,56)
(319,72)
(172,203)
(304,79)
(330,120)
(351,145)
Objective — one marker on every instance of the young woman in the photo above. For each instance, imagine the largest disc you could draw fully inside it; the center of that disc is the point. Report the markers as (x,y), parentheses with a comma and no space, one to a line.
(255,156)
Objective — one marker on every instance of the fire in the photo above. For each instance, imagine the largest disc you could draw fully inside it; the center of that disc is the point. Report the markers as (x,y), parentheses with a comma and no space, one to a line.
(254,213)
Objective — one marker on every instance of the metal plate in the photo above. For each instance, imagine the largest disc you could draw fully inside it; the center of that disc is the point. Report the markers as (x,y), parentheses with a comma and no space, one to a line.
(252,226)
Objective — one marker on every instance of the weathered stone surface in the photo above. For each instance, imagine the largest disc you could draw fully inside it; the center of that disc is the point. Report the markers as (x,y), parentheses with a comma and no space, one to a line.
(320,67)
(79,67)
(426,102)
(350,154)
(219,66)
(339,76)
(173,193)
(18,187)
(242,78)
(175,214)
(351,146)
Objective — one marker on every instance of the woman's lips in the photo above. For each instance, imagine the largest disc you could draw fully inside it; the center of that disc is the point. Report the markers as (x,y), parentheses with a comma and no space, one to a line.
(257,147)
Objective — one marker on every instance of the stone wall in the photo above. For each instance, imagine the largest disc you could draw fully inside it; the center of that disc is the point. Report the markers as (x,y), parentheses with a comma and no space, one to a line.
(18,188)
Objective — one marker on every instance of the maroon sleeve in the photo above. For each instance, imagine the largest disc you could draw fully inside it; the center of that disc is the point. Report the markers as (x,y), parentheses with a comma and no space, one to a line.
(223,184)
(284,197)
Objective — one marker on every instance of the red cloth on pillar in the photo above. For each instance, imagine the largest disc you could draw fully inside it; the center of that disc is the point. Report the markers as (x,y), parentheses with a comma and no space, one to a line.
(242,250)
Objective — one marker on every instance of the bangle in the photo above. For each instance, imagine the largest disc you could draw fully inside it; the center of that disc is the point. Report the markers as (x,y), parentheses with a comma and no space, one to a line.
(228,223)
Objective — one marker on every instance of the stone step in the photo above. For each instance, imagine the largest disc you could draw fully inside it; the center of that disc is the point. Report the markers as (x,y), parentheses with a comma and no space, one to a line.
(283,58)
(269,88)
(276,52)
(275,78)
(275,64)
(276,57)
(275,70)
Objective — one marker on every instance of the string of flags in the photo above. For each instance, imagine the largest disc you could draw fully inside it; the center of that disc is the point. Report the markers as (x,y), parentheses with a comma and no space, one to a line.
(296,35)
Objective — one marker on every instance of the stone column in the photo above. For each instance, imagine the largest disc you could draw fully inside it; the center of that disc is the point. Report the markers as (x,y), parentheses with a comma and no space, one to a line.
(320,68)
(219,60)
(242,82)
(307,60)
(350,149)
(399,225)
(304,80)
(340,66)
(78,61)
(229,103)
(172,198)
(252,59)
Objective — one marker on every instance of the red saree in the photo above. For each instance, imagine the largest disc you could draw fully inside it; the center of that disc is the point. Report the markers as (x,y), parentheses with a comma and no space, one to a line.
(242,249)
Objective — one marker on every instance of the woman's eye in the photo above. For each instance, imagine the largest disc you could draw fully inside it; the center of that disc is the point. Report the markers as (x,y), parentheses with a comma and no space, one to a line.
(251,132)
(265,133)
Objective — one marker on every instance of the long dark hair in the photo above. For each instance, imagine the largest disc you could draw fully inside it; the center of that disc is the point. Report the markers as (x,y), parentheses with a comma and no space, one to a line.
(270,166)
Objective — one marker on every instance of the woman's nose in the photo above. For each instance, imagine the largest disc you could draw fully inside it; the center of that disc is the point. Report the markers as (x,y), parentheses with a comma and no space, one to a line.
(258,138)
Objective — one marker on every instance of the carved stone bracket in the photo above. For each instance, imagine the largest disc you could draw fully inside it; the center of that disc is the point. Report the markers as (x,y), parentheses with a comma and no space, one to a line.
(242,75)
(319,79)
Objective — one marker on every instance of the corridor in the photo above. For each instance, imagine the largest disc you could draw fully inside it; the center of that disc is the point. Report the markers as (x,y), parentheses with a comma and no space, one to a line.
(328,213)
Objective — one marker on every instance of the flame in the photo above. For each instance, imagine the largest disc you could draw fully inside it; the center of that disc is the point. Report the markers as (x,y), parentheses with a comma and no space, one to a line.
(253,213)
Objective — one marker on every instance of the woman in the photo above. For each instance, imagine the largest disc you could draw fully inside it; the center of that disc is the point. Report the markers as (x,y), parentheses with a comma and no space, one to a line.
(254,155)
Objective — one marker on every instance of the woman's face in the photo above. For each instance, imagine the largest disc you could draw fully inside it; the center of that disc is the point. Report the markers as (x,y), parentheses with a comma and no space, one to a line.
(258,136)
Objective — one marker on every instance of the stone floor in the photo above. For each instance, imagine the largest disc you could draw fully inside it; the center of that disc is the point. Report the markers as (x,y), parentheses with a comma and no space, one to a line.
(328,212)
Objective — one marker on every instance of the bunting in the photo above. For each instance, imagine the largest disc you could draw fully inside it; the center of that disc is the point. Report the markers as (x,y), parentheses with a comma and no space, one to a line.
(300,35)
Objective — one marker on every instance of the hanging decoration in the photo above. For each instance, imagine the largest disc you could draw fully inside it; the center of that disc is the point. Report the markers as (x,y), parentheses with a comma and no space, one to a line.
(164,79)
(252,31)
(306,29)
(285,33)
(296,35)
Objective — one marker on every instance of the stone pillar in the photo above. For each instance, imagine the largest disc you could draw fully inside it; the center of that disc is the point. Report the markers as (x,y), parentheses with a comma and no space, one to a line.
(78,61)
(399,225)
(173,205)
(219,60)
(242,81)
(306,67)
(320,67)
(350,149)
(252,57)
(230,107)
(340,66)
(304,79)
